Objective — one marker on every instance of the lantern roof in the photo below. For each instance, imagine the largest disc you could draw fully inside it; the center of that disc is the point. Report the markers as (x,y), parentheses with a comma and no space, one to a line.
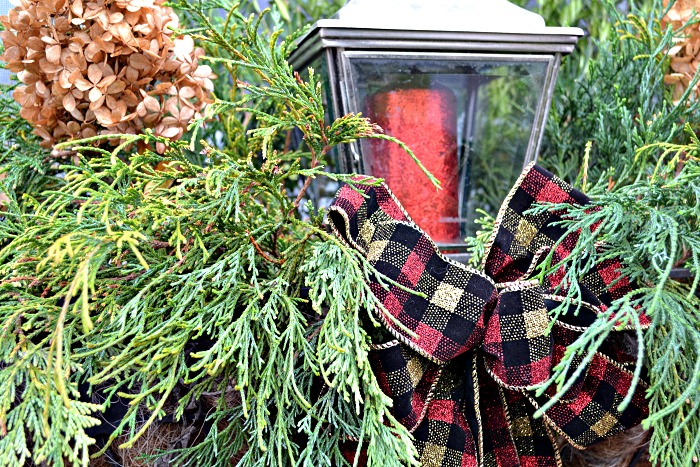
(486,26)
(442,15)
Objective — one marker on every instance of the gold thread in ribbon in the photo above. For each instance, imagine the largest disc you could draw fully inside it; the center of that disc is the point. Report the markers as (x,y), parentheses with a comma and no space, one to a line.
(502,211)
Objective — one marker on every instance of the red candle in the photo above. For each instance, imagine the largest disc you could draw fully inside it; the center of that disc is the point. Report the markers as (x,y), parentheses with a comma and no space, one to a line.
(424,119)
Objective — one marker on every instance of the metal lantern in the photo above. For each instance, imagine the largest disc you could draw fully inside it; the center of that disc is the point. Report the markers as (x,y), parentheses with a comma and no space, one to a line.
(466,84)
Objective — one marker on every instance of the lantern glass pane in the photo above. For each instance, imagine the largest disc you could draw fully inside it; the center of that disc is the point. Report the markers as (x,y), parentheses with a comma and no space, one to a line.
(468,118)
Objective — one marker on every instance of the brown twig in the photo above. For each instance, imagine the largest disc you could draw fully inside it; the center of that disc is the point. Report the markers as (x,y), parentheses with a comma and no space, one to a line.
(611,183)
(250,186)
(129,277)
(300,196)
(265,256)
(176,265)
(27,260)
(307,182)
(287,141)
(34,280)
(17,296)
(684,257)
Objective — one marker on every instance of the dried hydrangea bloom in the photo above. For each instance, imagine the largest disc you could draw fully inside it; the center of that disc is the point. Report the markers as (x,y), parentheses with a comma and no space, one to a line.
(685,54)
(103,67)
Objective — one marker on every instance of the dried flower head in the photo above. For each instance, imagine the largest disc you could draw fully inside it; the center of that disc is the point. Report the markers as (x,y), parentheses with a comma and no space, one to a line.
(685,53)
(103,67)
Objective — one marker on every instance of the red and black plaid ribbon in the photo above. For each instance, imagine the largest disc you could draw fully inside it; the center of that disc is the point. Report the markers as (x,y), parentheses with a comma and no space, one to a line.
(471,346)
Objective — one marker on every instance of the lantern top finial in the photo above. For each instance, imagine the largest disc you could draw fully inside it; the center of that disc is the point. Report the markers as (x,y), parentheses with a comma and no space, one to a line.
(440,15)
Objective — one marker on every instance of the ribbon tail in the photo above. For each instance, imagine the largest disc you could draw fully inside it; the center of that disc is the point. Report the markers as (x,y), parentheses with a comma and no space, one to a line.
(511,436)
(450,434)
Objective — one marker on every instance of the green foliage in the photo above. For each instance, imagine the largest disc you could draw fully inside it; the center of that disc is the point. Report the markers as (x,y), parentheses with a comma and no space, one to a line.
(219,25)
(619,101)
(188,280)
(25,164)
(594,17)
(477,244)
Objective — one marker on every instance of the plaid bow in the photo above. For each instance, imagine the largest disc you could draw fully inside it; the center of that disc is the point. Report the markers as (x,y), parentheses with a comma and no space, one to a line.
(470,347)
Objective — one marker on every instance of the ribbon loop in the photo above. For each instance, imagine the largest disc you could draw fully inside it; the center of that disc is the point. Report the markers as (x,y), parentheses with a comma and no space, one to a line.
(471,346)
(446,314)
(517,343)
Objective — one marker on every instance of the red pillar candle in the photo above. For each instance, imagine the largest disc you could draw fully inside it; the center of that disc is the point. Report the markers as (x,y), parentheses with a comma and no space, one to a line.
(424,119)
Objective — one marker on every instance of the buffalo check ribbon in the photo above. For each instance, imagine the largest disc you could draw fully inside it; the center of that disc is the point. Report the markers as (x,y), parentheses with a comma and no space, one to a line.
(468,348)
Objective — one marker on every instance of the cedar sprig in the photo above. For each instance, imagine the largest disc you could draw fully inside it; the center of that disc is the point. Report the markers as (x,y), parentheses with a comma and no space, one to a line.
(654,224)
(120,273)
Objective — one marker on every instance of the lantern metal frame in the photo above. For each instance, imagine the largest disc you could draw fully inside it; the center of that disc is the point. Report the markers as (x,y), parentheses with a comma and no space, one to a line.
(338,43)
(335,43)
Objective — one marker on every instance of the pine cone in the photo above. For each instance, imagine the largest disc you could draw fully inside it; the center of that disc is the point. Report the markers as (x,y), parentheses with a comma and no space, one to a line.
(103,67)
(685,54)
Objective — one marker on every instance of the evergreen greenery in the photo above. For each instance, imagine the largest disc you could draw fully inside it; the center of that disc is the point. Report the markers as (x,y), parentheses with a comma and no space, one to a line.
(187,280)
(199,279)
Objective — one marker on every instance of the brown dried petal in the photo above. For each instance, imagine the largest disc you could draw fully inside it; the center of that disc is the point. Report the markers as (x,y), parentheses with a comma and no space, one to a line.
(53,53)
(95,73)
(131,74)
(64,79)
(49,40)
(93,53)
(41,89)
(120,110)
(170,132)
(97,103)
(27,77)
(43,133)
(106,81)
(8,39)
(50,68)
(172,106)
(77,7)
(139,62)
(151,104)
(186,114)
(171,65)
(116,87)
(151,119)
(203,71)
(73,128)
(77,115)
(82,84)
(186,93)
(141,110)
(103,45)
(110,102)
(88,132)
(130,98)
(95,94)
(104,116)
(673,51)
